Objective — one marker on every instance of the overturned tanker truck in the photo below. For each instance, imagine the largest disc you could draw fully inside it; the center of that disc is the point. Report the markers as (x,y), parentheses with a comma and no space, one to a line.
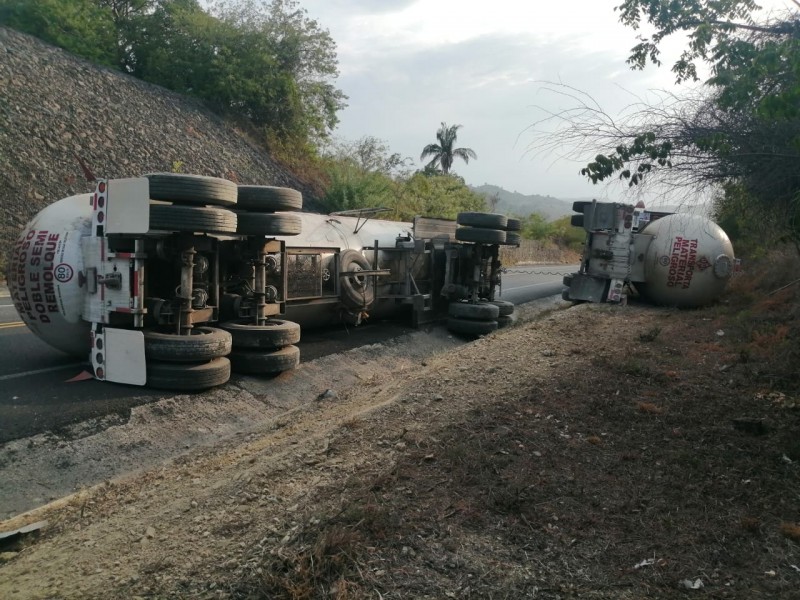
(172,280)
(673,259)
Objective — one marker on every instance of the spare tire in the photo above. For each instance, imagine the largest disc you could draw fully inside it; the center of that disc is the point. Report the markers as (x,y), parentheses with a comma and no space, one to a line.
(356,290)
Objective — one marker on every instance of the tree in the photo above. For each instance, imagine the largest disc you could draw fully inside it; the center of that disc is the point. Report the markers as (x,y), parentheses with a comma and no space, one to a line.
(80,26)
(351,187)
(739,133)
(361,174)
(536,227)
(267,63)
(444,152)
(369,154)
(175,44)
(441,196)
(281,43)
(366,173)
(712,27)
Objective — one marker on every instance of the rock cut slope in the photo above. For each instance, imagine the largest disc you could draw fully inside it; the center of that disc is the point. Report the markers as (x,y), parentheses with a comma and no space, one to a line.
(55,106)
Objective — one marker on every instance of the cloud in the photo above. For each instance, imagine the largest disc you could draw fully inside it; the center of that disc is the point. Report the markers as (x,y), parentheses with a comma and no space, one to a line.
(366,7)
(494,86)
(409,65)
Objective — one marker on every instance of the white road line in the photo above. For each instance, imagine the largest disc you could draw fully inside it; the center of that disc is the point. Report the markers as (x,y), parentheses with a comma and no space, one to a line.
(7,306)
(38,371)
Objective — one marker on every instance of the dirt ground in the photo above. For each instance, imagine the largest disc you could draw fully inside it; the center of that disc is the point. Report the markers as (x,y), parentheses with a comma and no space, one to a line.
(595,451)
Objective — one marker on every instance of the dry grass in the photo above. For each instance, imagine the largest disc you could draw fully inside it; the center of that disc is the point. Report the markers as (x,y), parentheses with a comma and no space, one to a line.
(565,491)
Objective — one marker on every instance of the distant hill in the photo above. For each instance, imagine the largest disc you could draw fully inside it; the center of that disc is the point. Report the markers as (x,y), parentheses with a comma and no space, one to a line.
(520,205)
(514,203)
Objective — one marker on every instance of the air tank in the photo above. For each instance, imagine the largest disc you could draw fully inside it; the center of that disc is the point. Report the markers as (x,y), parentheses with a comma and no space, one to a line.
(688,261)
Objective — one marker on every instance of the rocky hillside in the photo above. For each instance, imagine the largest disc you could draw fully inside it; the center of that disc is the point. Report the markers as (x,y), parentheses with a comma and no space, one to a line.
(54,106)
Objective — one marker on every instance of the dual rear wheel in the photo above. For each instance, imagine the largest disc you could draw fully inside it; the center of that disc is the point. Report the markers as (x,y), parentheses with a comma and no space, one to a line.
(481,318)
(264,349)
(488,228)
(190,362)
(205,357)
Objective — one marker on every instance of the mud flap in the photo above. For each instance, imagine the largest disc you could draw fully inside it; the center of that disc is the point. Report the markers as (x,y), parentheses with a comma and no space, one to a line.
(129,208)
(118,355)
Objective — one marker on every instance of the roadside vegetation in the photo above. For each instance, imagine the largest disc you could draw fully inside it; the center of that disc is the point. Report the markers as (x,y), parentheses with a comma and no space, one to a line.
(735,137)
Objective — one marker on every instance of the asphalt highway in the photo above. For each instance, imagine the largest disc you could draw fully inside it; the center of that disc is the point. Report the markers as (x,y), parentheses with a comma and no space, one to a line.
(36,395)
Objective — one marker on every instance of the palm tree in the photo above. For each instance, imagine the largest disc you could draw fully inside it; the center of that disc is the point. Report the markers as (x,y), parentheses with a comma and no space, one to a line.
(443,153)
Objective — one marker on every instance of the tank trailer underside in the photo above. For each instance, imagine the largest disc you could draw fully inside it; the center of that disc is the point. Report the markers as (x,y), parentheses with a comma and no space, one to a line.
(172,281)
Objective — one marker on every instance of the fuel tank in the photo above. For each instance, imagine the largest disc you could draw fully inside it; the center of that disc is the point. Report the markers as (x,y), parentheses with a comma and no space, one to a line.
(45,274)
(688,261)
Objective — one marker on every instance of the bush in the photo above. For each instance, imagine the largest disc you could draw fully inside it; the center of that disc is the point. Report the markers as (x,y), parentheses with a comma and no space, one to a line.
(79,26)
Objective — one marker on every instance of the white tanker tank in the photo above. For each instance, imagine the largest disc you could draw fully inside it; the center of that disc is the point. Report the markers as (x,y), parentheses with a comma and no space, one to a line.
(688,261)
(173,280)
(44,274)
(670,259)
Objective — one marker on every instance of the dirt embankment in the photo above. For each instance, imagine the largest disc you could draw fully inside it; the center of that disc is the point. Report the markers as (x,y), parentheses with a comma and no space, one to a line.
(55,106)
(592,452)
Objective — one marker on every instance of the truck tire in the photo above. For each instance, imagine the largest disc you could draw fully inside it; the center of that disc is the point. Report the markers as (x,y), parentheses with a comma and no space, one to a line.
(197,219)
(506,321)
(480,235)
(188,377)
(505,307)
(275,333)
(356,291)
(513,225)
(580,205)
(204,343)
(269,224)
(513,238)
(255,362)
(192,189)
(486,220)
(483,311)
(470,327)
(265,198)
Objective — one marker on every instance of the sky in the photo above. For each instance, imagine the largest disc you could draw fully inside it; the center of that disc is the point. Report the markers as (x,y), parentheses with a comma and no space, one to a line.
(490,66)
